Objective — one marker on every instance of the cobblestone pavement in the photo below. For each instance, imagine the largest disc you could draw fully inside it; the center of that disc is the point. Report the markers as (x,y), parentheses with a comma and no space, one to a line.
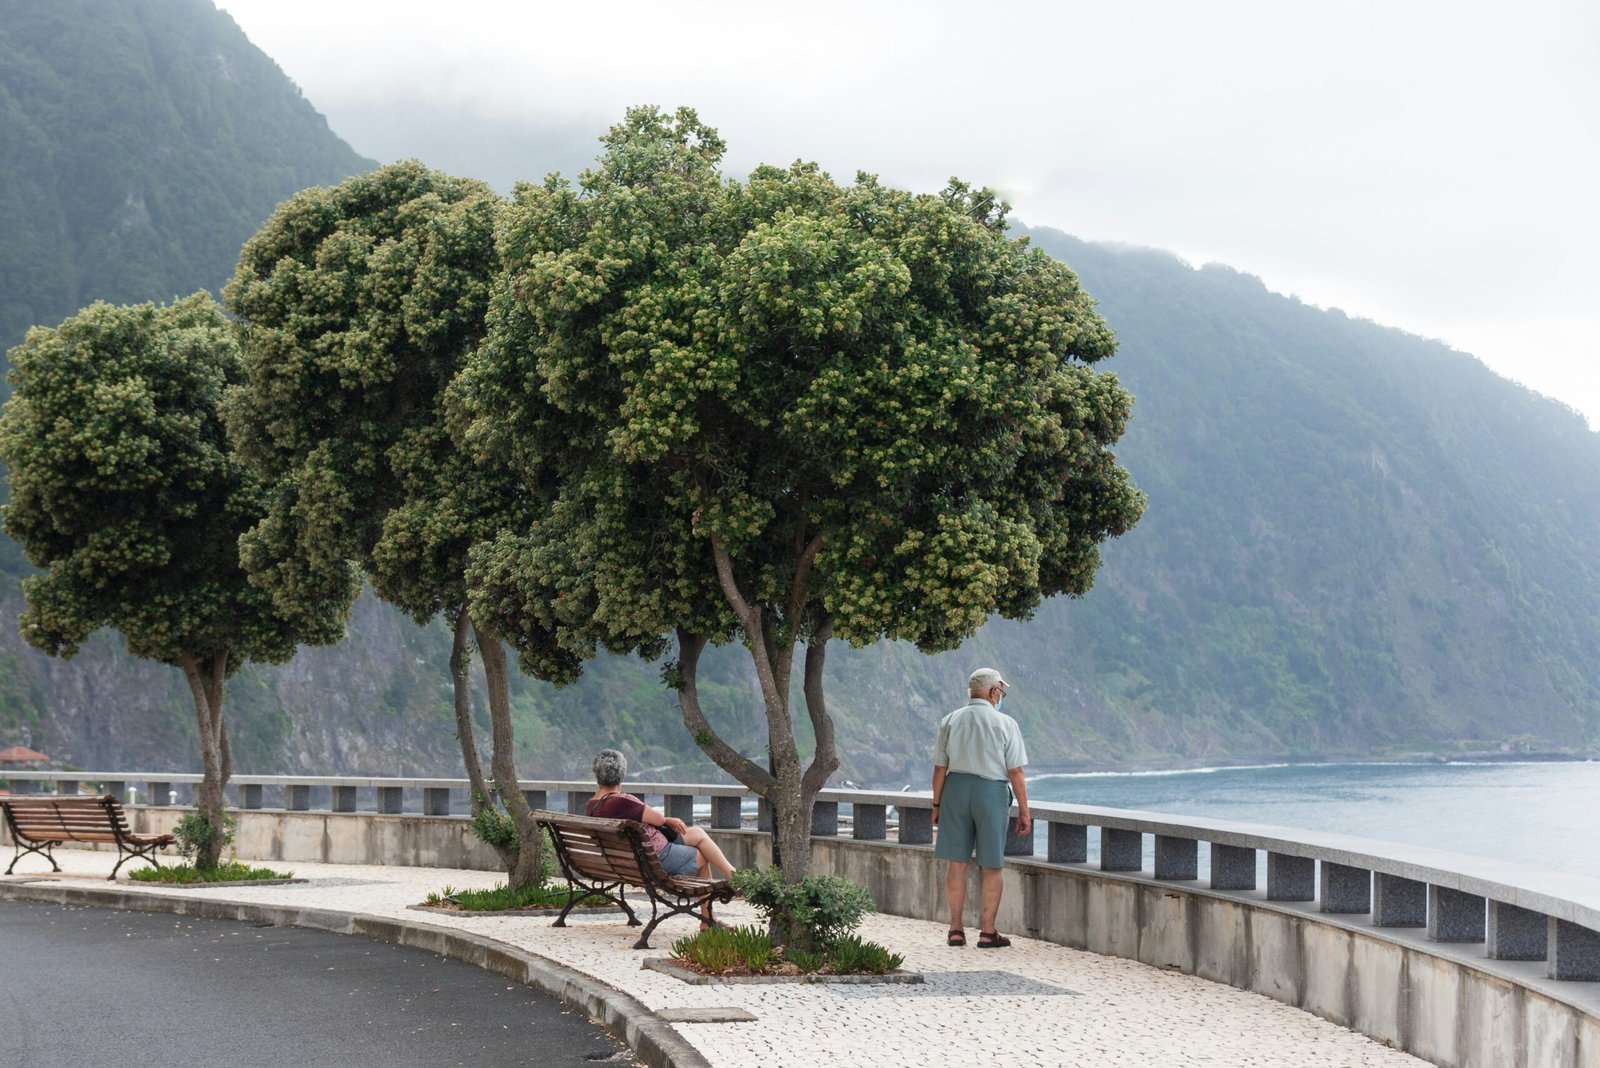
(1035,1003)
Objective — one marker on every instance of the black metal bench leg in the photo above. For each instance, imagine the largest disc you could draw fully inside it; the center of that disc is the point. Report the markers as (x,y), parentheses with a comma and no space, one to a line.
(126,854)
(46,851)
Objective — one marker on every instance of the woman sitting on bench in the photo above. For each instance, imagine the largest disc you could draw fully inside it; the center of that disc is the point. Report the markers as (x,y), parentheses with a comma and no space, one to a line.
(693,854)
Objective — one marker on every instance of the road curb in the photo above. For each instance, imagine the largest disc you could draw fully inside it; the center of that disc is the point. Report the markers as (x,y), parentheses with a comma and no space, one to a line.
(653,1040)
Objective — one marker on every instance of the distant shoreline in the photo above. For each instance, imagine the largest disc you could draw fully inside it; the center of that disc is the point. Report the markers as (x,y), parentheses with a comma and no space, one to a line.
(1491,756)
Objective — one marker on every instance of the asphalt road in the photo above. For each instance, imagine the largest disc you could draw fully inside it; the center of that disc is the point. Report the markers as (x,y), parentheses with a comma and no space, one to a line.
(101,987)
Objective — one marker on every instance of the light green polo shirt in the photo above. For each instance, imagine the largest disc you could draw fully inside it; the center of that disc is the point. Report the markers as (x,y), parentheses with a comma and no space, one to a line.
(979,740)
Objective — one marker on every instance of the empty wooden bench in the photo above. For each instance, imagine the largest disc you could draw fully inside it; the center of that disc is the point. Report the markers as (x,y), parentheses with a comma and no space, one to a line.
(600,857)
(39,824)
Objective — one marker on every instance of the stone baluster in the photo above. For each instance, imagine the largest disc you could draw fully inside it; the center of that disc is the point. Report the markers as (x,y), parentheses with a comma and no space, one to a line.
(916,824)
(1515,933)
(869,823)
(1177,859)
(727,813)
(1291,878)
(1345,889)
(1121,850)
(1399,902)
(680,807)
(436,801)
(1232,867)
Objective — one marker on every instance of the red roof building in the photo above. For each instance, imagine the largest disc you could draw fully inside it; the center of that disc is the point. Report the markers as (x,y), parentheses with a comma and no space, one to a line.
(19,756)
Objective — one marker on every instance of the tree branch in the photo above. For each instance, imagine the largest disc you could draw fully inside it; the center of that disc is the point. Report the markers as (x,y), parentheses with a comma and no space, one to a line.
(705,736)
(461,684)
(826,760)
(799,589)
(780,734)
(730,587)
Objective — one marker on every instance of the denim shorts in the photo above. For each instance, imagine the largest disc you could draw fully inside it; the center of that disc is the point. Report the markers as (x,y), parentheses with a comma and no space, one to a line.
(973,815)
(679,859)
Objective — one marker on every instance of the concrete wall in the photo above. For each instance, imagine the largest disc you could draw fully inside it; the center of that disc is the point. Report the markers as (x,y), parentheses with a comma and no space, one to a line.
(1449,1005)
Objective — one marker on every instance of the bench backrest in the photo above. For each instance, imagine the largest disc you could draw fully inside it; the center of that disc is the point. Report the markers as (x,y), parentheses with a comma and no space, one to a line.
(608,850)
(76,819)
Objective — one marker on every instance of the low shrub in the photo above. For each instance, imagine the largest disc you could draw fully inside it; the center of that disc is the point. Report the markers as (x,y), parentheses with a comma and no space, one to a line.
(854,956)
(194,833)
(811,914)
(501,898)
(223,873)
(724,949)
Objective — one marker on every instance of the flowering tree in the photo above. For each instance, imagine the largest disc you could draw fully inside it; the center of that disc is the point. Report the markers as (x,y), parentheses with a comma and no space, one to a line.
(124,494)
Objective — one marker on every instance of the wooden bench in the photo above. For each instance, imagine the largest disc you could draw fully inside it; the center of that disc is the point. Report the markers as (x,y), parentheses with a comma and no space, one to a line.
(39,824)
(600,857)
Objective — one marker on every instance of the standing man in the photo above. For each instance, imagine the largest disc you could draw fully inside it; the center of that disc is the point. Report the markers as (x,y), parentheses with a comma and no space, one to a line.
(977,752)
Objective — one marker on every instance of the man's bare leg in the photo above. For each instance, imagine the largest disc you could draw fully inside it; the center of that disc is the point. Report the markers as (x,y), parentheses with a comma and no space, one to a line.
(955,892)
(993,886)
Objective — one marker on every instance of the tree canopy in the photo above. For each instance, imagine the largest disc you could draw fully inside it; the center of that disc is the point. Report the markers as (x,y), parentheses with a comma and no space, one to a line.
(782,410)
(124,493)
(123,490)
(355,307)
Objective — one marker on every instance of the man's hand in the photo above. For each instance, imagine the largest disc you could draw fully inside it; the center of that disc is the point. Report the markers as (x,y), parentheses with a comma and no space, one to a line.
(1024,821)
(936,815)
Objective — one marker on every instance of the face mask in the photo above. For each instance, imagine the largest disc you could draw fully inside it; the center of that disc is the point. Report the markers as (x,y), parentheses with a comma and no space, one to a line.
(1000,702)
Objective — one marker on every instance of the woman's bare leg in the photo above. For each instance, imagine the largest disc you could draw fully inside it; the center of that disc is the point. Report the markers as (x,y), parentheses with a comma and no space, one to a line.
(708,849)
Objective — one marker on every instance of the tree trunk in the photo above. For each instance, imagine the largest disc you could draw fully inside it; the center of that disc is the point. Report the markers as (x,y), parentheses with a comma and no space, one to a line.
(206,684)
(461,681)
(790,790)
(529,867)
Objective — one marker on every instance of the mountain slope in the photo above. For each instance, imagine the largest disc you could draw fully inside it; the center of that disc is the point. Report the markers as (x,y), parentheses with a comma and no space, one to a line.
(141,142)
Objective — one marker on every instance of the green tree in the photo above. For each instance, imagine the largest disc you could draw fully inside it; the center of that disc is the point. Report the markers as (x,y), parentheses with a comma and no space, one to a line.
(781,411)
(124,493)
(355,305)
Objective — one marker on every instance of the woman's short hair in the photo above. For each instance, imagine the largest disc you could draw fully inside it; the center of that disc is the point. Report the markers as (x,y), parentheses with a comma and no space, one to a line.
(609,768)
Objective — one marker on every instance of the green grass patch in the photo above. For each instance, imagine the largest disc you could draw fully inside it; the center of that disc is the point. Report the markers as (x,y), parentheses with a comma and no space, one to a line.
(502,898)
(225,873)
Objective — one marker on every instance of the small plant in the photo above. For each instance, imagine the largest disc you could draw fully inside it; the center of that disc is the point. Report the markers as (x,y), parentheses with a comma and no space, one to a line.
(811,914)
(724,949)
(806,962)
(854,956)
(194,833)
(223,873)
(494,826)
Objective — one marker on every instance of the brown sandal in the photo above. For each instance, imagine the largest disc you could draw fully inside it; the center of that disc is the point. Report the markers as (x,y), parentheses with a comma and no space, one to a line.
(956,937)
(992,940)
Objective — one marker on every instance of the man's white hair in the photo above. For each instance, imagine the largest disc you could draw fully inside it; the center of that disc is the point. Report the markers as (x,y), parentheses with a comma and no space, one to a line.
(983,680)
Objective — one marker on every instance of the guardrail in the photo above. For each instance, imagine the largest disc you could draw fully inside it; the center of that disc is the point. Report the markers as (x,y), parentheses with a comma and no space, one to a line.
(1516,914)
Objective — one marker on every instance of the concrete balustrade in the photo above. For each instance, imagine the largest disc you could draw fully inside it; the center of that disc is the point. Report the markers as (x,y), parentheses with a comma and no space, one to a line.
(1461,960)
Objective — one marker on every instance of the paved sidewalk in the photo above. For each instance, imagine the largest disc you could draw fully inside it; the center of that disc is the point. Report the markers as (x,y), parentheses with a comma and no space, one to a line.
(1033,1004)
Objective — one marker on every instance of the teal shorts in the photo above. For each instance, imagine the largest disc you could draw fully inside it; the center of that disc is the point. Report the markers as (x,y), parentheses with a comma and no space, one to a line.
(973,814)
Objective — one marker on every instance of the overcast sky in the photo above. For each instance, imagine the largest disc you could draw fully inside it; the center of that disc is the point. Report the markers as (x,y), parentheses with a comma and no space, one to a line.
(1431,165)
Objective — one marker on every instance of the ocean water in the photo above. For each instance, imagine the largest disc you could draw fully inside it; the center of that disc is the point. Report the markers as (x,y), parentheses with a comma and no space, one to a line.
(1543,815)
